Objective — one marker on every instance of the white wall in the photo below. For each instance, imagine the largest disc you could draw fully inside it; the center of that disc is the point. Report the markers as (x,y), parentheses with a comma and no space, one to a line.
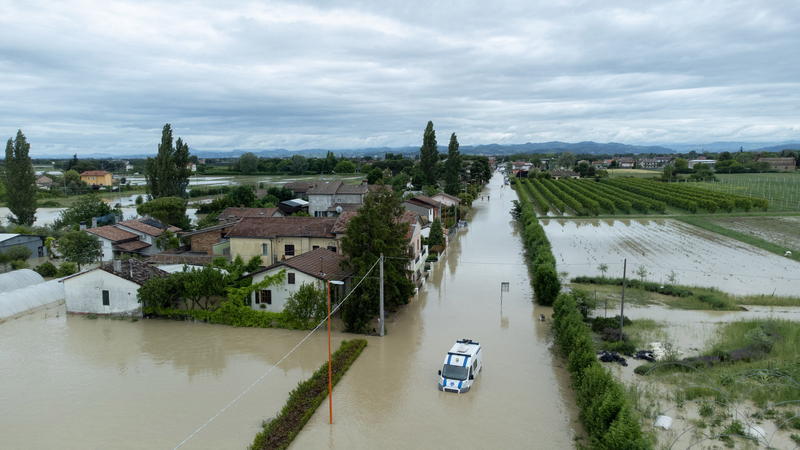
(108,248)
(282,292)
(84,294)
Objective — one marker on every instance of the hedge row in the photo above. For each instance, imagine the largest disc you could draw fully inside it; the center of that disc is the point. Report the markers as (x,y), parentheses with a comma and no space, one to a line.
(228,313)
(666,289)
(305,398)
(541,262)
(541,203)
(605,411)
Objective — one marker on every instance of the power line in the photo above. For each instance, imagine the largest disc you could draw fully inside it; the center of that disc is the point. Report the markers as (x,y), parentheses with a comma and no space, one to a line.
(268,371)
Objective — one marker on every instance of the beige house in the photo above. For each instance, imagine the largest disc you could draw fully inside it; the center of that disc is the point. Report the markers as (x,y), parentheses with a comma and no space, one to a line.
(277,239)
(96,178)
(315,267)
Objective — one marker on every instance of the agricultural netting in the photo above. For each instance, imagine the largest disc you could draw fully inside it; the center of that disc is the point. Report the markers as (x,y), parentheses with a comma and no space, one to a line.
(30,297)
(18,279)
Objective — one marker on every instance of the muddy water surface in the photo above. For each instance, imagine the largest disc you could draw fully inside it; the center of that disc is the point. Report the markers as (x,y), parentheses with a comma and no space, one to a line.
(661,246)
(389,399)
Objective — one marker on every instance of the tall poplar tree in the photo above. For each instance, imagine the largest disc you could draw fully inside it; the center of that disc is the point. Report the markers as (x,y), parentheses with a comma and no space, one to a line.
(376,229)
(429,155)
(167,174)
(452,167)
(20,181)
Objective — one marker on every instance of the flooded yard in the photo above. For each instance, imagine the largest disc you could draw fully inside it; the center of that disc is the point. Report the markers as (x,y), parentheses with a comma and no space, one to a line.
(664,246)
(783,231)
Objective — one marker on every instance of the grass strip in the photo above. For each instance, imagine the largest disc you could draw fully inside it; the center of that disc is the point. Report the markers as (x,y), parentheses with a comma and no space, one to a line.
(305,398)
(705,224)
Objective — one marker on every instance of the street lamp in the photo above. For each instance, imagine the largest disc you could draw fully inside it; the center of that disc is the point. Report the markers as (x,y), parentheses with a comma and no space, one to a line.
(330,365)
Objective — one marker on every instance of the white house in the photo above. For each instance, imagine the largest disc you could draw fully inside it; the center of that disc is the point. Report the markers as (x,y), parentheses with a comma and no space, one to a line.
(417,252)
(315,267)
(148,230)
(110,289)
(447,199)
(324,198)
(116,240)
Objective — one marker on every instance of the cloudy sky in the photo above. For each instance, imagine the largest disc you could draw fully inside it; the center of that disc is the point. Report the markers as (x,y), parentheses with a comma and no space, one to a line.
(105,76)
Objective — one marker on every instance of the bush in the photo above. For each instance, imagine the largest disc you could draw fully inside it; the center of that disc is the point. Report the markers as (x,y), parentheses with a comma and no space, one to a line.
(66,269)
(19,264)
(306,307)
(229,313)
(46,269)
(306,398)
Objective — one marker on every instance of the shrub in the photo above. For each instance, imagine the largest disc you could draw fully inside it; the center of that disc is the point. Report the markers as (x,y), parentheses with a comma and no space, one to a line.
(66,269)
(46,269)
(306,398)
(306,307)
(19,264)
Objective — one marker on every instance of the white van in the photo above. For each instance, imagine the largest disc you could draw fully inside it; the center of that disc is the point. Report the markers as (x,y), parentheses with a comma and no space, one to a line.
(461,365)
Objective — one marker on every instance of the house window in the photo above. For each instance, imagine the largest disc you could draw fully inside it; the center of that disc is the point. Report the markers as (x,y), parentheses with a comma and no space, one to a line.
(106,299)
(264,296)
(332,248)
(290,278)
(265,249)
(288,250)
(314,247)
(41,252)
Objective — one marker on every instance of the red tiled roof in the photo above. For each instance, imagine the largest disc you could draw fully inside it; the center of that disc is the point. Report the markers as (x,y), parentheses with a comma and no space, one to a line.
(320,263)
(132,246)
(269,227)
(94,173)
(340,226)
(145,228)
(446,195)
(112,233)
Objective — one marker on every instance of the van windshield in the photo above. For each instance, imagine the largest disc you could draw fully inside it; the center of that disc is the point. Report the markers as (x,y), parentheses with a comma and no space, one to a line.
(454,372)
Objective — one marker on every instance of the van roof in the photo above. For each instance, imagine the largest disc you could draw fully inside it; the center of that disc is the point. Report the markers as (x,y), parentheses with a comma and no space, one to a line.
(465,347)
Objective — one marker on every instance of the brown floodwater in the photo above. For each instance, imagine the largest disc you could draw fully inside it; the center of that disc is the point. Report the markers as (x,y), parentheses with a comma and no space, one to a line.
(662,247)
(389,399)
(72,382)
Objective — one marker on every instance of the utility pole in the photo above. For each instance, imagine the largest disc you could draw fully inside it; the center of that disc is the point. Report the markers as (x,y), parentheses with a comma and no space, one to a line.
(622,303)
(381,296)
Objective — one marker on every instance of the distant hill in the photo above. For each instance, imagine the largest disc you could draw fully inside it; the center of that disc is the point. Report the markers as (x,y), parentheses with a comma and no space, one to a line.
(716,147)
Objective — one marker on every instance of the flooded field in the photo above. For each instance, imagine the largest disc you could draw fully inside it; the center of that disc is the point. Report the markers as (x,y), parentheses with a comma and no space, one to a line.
(46,216)
(663,246)
(149,384)
(783,231)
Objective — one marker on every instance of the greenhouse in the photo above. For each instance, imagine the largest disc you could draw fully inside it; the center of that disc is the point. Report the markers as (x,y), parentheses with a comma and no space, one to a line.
(17,279)
(28,297)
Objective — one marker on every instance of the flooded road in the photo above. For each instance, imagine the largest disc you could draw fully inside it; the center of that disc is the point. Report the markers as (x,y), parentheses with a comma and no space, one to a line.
(388,399)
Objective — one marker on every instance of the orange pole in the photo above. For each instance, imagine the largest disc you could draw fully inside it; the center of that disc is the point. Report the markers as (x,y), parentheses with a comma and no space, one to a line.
(330,367)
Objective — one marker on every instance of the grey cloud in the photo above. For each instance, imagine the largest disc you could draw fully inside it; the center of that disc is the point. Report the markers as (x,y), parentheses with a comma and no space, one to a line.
(104,77)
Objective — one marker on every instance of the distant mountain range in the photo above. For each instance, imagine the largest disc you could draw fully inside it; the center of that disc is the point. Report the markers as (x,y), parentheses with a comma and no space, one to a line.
(587,147)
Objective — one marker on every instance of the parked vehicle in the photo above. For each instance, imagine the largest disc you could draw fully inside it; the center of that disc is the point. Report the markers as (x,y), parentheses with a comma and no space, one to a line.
(462,363)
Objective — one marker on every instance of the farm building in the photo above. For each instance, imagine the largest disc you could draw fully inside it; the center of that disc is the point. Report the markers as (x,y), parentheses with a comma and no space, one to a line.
(110,289)
(780,164)
(97,178)
(33,243)
(315,267)
(559,174)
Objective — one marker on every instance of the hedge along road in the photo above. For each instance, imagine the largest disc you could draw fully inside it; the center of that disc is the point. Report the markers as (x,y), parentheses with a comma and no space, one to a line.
(521,399)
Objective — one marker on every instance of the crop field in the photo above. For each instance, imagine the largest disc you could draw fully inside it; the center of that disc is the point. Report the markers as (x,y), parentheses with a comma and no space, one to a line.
(784,231)
(781,190)
(667,250)
(568,197)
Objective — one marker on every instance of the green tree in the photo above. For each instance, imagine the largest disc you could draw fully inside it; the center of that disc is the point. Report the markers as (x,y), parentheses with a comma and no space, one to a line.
(452,167)
(20,181)
(306,307)
(242,196)
(603,268)
(168,241)
(681,165)
(374,230)
(83,210)
(167,174)
(248,163)
(298,164)
(429,155)
(79,247)
(330,163)
(167,210)
(161,292)
(436,236)
(375,176)
(199,287)
(345,166)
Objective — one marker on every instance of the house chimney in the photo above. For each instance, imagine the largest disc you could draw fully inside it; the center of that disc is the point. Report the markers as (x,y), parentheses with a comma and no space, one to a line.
(118,265)
(94,222)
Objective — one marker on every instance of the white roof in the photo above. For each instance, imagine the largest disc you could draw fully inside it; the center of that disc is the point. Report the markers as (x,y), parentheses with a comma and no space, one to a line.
(30,297)
(16,279)
(469,349)
(7,236)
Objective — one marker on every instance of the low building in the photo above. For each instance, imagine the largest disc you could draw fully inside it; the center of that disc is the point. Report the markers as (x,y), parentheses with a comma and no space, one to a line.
(780,164)
(116,241)
(295,205)
(316,267)
(426,207)
(329,199)
(626,163)
(44,182)
(148,230)
(418,253)
(276,239)
(658,162)
(447,199)
(32,242)
(97,178)
(111,289)
(234,214)
(694,162)
(204,239)
(300,188)
(559,174)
